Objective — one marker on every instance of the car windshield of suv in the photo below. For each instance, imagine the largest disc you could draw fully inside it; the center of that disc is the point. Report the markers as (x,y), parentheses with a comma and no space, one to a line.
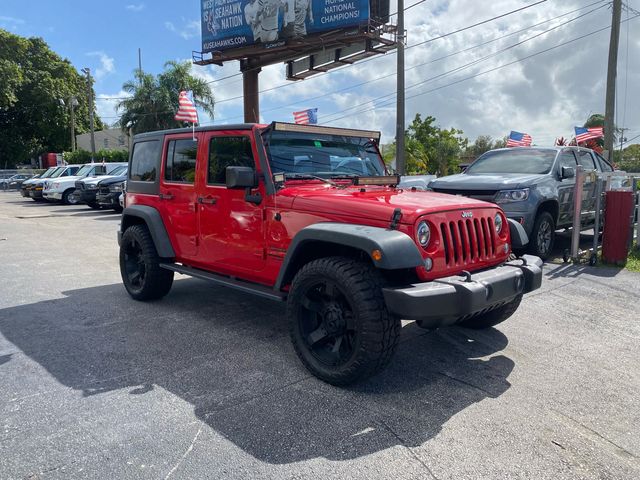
(85,170)
(48,172)
(323,155)
(526,160)
(58,172)
(119,171)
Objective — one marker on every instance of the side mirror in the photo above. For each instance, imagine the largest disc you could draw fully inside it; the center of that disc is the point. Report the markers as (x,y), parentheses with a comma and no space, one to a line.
(568,172)
(241,177)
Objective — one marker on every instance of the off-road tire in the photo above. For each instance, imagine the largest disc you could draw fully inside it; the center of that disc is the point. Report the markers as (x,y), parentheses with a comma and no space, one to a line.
(137,250)
(94,205)
(542,236)
(371,339)
(493,317)
(66,195)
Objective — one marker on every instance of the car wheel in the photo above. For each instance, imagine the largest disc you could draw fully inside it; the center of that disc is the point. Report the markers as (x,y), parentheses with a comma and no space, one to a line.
(68,198)
(142,275)
(542,236)
(118,208)
(94,205)
(338,321)
(492,317)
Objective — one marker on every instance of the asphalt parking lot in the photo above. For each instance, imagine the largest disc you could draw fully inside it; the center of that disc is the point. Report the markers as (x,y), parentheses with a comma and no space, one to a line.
(205,383)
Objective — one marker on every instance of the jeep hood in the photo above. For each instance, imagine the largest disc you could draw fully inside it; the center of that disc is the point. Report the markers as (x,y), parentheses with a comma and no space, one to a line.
(376,203)
(485,181)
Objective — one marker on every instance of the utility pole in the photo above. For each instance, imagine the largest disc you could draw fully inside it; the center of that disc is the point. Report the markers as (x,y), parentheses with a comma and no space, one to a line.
(612,71)
(73,102)
(400,159)
(87,72)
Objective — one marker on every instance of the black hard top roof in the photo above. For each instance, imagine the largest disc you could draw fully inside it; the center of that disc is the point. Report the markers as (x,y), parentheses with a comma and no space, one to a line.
(207,128)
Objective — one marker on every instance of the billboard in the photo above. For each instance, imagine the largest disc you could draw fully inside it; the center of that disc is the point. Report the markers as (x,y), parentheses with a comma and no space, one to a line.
(230,24)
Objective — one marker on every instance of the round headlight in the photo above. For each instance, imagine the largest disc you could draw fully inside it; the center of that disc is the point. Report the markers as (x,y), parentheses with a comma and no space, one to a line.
(424,234)
(498,223)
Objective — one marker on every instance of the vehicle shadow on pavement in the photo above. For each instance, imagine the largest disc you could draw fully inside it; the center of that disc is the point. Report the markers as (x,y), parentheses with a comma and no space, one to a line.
(229,356)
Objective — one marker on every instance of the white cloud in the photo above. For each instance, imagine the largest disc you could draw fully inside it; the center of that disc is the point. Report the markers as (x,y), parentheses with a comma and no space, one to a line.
(106,106)
(136,7)
(11,23)
(107,64)
(187,29)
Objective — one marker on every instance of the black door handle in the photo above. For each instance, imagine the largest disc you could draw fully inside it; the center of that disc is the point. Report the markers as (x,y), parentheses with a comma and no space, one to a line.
(208,200)
(165,196)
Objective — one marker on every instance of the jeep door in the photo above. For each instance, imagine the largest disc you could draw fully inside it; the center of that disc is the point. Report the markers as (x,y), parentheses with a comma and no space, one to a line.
(565,188)
(231,226)
(178,194)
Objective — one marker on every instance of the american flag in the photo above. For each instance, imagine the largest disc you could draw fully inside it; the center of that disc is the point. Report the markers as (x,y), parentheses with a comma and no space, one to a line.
(307,116)
(517,139)
(585,134)
(187,110)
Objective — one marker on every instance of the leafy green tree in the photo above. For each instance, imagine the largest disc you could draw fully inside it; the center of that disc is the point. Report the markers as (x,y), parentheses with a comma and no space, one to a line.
(442,147)
(154,99)
(33,81)
(416,158)
(629,159)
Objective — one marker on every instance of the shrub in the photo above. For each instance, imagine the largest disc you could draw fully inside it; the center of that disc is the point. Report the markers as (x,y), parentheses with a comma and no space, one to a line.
(83,156)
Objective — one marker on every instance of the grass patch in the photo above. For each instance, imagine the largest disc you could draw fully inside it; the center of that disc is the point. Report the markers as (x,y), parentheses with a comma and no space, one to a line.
(633,262)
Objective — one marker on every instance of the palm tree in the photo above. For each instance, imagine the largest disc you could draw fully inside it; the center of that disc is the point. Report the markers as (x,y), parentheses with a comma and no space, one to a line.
(153,100)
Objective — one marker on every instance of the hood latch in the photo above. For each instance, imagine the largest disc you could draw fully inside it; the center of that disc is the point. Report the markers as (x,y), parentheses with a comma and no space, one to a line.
(395,218)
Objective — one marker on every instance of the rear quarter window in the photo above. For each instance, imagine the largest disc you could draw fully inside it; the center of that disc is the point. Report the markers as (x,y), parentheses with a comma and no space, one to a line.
(145,161)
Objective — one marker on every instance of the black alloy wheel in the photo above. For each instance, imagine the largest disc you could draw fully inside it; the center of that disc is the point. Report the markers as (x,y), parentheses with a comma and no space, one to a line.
(327,324)
(142,275)
(339,324)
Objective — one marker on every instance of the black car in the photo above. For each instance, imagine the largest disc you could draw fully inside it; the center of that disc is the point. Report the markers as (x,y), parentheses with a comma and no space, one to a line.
(87,188)
(109,191)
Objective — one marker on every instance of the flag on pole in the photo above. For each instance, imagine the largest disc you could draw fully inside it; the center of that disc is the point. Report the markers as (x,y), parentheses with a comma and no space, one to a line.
(308,116)
(585,134)
(186,109)
(517,139)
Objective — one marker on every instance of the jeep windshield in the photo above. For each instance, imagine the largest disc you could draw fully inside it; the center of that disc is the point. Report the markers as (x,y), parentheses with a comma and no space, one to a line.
(308,155)
(526,160)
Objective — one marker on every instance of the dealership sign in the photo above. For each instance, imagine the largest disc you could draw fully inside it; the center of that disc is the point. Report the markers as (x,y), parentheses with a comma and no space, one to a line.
(229,24)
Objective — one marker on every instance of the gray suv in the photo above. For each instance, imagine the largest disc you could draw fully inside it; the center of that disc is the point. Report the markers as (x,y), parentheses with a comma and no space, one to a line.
(533,185)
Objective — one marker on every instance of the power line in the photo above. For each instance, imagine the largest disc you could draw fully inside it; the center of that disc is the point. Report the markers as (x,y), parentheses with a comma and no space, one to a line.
(475,75)
(477,61)
(415,66)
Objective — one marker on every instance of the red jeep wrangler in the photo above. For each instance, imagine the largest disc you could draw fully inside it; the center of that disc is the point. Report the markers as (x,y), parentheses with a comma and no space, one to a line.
(308,215)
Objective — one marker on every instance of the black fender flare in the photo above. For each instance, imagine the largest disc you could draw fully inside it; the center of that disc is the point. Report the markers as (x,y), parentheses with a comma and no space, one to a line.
(151,217)
(398,249)
(519,237)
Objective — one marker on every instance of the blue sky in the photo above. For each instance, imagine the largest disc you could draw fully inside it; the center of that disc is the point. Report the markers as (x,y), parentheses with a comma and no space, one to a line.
(544,96)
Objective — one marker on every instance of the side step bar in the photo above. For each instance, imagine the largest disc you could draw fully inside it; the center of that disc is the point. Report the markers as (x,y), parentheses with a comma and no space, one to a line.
(230,282)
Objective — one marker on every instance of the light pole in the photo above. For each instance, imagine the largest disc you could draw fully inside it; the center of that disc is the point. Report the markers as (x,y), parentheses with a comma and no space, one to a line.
(87,72)
(400,158)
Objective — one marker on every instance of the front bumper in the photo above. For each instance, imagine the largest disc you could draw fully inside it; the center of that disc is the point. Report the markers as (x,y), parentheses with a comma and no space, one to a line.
(109,200)
(86,196)
(446,301)
(51,195)
(35,193)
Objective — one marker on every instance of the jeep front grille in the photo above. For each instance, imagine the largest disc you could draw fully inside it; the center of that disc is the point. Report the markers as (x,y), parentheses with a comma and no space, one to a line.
(468,241)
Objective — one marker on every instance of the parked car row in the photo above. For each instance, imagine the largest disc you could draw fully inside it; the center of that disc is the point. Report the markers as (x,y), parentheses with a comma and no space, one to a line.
(13,182)
(96,185)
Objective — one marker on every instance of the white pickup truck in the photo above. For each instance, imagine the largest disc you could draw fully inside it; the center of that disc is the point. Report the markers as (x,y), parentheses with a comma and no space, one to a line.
(62,189)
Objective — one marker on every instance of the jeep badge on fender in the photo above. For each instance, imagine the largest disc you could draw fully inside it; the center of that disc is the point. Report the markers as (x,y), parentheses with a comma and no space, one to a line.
(309,216)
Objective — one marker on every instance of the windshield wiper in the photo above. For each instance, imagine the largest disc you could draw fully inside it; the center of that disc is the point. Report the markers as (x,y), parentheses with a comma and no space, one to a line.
(302,176)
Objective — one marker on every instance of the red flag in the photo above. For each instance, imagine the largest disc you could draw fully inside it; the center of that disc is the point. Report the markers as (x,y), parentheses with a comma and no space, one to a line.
(187,110)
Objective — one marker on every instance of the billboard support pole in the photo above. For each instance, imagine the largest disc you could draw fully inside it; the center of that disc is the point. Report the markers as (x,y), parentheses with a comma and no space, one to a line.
(400,159)
(250,93)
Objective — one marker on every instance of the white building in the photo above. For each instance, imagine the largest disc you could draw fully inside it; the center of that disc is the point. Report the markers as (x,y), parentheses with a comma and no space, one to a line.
(108,139)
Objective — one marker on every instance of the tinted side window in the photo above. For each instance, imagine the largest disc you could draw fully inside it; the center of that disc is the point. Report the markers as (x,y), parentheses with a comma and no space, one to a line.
(180,164)
(604,165)
(144,161)
(586,160)
(567,159)
(228,152)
